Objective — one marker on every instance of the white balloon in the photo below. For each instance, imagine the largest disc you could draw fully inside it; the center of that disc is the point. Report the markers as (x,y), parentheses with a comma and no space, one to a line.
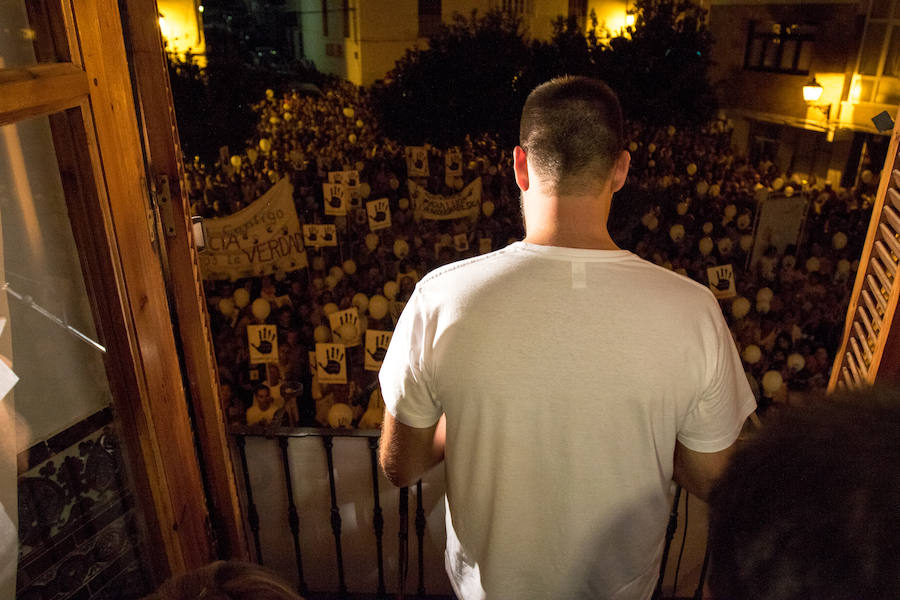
(241,297)
(391,289)
(378,306)
(226,306)
(261,308)
(751,354)
(360,301)
(329,308)
(796,362)
(740,307)
(839,240)
(676,232)
(706,246)
(772,382)
(764,294)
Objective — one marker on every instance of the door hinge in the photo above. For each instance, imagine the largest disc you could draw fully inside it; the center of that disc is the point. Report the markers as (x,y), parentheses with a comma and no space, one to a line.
(162,197)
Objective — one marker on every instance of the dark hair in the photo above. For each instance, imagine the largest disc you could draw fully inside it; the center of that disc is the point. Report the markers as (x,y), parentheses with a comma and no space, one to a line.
(572,131)
(226,580)
(259,387)
(811,507)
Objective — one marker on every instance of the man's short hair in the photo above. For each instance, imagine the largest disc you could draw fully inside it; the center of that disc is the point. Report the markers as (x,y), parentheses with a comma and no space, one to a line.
(261,387)
(572,132)
(810,508)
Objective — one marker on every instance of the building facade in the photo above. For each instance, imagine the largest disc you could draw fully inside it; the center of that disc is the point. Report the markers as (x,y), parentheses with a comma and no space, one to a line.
(361,41)
(765,53)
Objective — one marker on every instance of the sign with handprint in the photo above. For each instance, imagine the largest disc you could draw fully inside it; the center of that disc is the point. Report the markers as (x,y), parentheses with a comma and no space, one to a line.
(461,242)
(335,198)
(263,340)
(317,235)
(379,212)
(485,245)
(345,326)
(335,177)
(721,281)
(376,347)
(331,363)
(416,161)
(453,162)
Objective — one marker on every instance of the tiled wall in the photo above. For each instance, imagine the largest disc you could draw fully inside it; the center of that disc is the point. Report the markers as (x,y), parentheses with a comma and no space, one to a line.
(77,522)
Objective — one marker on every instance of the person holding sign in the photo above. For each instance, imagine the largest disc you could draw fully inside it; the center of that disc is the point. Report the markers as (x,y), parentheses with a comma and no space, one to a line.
(564,382)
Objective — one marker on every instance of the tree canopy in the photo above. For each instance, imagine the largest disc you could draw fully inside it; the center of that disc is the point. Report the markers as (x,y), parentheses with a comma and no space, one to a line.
(476,72)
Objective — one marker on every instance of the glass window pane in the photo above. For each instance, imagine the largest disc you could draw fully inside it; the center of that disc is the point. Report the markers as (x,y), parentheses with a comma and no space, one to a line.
(888,91)
(789,50)
(892,60)
(754,58)
(866,87)
(871,49)
(16,37)
(771,54)
(880,9)
(805,60)
(69,481)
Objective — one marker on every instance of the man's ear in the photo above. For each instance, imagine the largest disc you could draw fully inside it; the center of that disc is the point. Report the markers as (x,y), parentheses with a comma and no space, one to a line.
(620,170)
(520,166)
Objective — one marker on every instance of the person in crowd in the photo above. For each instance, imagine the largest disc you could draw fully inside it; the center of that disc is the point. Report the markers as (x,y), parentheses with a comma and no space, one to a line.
(264,410)
(564,382)
(808,507)
(226,580)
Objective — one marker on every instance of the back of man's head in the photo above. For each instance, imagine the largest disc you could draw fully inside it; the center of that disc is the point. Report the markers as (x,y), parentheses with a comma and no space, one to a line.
(572,132)
(811,507)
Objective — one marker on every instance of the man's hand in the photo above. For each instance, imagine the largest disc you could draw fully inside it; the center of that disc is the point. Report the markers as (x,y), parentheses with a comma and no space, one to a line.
(406,453)
(697,472)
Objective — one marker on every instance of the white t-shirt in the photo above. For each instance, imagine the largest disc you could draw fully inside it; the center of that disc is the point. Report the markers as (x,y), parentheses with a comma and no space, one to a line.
(566,376)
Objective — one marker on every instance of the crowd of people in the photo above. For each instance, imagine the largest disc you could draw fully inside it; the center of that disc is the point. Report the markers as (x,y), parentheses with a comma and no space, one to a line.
(690,203)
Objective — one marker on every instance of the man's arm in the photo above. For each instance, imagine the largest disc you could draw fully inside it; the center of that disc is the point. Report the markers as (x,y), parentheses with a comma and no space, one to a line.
(406,453)
(697,472)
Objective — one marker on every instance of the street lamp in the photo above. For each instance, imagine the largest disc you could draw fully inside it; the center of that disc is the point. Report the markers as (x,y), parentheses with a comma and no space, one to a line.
(812,92)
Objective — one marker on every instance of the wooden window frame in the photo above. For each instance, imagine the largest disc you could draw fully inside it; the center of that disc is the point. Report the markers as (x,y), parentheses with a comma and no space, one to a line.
(85,88)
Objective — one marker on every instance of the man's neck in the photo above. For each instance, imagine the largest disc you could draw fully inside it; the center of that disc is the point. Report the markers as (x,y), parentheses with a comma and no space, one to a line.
(572,239)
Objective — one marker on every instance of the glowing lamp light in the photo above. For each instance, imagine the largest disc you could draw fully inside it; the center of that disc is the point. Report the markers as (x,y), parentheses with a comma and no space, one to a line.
(629,20)
(812,90)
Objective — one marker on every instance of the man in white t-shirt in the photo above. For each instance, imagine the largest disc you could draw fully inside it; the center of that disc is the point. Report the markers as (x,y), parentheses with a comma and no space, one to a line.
(564,382)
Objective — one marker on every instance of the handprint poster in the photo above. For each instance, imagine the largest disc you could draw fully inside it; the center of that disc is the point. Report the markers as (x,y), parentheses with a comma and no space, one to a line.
(263,340)
(331,363)
(453,168)
(379,213)
(416,161)
(335,198)
(461,242)
(453,163)
(318,236)
(721,281)
(376,347)
(345,326)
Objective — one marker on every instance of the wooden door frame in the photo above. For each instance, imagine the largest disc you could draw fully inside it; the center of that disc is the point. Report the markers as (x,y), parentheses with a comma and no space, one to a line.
(165,162)
(85,89)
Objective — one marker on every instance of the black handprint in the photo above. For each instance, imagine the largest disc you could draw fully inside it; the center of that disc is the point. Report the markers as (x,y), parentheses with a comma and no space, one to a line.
(333,366)
(266,337)
(418,163)
(723,284)
(381,343)
(328,236)
(313,236)
(335,201)
(348,317)
(454,166)
(380,216)
(351,182)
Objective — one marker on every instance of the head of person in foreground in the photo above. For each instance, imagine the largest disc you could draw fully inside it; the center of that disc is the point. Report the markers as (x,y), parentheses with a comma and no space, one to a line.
(226,580)
(810,508)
